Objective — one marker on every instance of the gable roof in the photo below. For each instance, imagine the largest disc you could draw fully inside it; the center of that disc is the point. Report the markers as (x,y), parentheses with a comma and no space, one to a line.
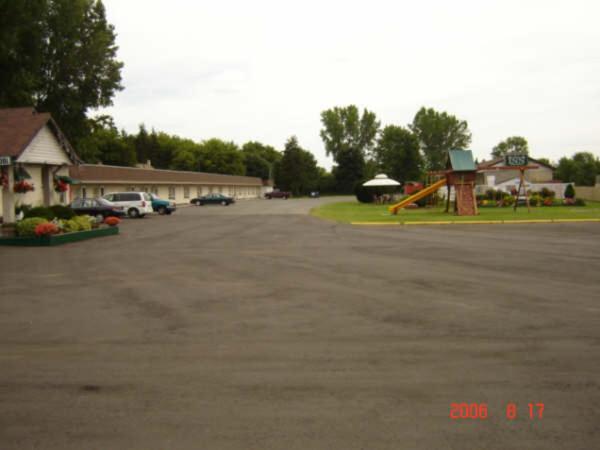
(18,127)
(461,160)
(492,162)
(100,173)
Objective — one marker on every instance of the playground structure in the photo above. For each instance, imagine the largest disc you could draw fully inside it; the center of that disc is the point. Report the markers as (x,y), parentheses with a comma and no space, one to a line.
(460,173)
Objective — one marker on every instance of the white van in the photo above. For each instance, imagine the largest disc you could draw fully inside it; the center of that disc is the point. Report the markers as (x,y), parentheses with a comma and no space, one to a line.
(135,204)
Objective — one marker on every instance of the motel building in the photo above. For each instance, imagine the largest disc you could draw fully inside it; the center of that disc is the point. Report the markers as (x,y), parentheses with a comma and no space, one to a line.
(96,180)
(38,167)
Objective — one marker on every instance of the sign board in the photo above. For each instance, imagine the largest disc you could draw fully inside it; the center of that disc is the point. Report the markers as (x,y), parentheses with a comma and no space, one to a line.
(516,160)
(4,160)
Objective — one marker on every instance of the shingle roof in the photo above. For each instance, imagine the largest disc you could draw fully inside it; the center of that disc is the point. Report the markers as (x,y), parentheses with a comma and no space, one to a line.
(100,173)
(492,162)
(18,126)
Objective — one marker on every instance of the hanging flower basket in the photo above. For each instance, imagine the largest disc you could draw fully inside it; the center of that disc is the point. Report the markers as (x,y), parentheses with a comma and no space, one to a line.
(22,187)
(60,185)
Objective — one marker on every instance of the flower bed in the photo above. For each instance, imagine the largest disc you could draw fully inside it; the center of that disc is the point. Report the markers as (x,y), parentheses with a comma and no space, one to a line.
(46,240)
(38,231)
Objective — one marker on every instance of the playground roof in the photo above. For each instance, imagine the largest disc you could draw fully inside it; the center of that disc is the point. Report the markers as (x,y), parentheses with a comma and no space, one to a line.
(461,160)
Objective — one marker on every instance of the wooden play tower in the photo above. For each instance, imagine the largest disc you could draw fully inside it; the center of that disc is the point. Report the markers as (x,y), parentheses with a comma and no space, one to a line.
(461,173)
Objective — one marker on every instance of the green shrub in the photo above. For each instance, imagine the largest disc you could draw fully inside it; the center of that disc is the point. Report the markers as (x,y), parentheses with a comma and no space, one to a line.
(508,200)
(363,194)
(70,226)
(491,194)
(39,211)
(579,202)
(26,227)
(547,193)
(569,191)
(84,222)
(22,208)
(535,200)
(62,212)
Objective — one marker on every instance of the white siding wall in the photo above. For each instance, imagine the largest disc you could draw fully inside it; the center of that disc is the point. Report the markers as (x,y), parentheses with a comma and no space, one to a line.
(36,197)
(162,190)
(44,149)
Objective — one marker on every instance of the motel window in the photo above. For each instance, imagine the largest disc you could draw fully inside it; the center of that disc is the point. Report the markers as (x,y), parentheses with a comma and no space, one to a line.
(186,192)
(101,191)
(155,190)
(198,191)
(171,193)
(84,192)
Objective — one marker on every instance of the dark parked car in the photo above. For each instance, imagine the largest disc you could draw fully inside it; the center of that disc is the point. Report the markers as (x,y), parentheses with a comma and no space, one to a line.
(96,207)
(212,199)
(278,194)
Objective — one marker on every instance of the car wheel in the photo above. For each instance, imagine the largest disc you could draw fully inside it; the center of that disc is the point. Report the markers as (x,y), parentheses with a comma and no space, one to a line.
(162,210)
(133,213)
(198,203)
(224,203)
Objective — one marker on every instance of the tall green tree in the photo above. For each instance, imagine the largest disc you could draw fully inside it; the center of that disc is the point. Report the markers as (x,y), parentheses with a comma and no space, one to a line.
(260,159)
(23,34)
(439,132)
(59,56)
(349,137)
(512,145)
(298,171)
(106,144)
(397,154)
(218,156)
(581,169)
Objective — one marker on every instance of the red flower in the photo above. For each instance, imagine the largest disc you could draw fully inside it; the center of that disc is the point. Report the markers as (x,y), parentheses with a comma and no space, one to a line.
(22,186)
(112,221)
(44,229)
(60,186)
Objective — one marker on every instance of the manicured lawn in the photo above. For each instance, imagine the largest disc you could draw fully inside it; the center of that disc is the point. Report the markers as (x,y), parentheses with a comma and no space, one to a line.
(361,212)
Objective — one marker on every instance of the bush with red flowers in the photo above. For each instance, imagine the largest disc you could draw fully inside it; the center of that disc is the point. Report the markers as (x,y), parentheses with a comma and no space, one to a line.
(548,201)
(23,186)
(46,229)
(112,221)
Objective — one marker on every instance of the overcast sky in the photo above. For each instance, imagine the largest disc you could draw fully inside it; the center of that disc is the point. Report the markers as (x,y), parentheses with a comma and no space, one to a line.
(264,70)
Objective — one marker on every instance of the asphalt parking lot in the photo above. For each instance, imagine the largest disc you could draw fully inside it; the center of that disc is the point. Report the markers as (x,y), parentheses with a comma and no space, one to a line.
(257,326)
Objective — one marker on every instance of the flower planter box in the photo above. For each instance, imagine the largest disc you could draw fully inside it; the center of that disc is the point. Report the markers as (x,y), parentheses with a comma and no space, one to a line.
(58,239)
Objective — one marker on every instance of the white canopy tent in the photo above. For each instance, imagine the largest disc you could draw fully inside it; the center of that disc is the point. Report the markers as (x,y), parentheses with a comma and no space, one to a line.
(381,180)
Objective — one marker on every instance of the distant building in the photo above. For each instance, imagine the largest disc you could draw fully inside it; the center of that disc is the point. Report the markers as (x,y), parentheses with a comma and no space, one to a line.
(508,180)
(94,180)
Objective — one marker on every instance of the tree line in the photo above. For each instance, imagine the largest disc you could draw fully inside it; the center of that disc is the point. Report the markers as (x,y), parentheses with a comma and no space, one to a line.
(60,56)
(294,168)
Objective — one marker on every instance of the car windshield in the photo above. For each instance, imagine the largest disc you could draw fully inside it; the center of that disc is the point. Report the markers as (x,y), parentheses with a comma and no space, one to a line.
(103,202)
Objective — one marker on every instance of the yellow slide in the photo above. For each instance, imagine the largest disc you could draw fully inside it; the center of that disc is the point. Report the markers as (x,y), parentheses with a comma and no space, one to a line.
(419,195)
